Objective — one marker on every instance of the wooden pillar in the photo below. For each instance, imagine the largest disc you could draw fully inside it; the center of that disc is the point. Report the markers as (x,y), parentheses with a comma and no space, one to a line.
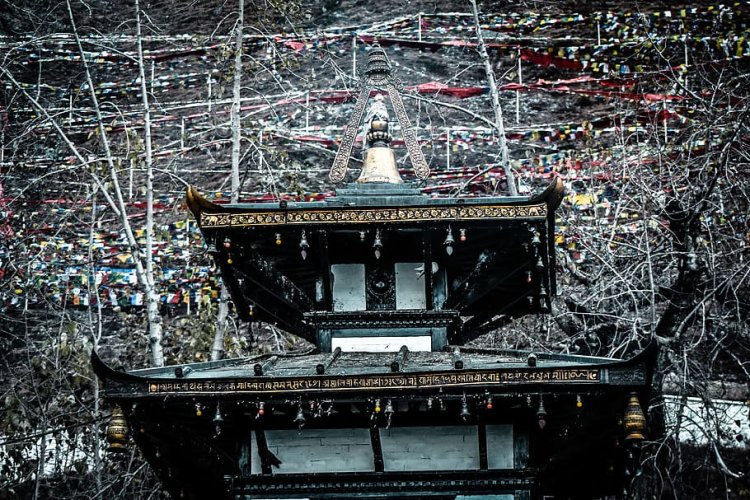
(263,452)
(324,268)
(482,437)
(428,280)
(377,448)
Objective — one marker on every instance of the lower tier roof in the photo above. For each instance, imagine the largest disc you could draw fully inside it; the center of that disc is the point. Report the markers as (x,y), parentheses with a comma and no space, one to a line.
(364,374)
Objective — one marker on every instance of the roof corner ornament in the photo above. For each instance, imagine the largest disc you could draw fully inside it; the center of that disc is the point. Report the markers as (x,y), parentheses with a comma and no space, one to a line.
(378,76)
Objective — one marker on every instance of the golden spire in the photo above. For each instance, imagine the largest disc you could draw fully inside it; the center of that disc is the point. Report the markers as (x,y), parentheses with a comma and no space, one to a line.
(380,162)
(378,75)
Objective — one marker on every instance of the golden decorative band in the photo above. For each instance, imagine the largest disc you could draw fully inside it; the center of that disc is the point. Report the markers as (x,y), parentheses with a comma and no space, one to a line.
(379,382)
(374,215)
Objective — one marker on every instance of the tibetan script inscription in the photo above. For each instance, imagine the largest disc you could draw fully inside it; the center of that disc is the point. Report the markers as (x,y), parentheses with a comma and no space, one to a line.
(369,215)
(380,382)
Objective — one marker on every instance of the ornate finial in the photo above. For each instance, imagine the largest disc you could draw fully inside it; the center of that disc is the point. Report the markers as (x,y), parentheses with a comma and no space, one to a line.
(117,430)
(634,421)
(380,162)
(378,75)
(378,116)
(378,69)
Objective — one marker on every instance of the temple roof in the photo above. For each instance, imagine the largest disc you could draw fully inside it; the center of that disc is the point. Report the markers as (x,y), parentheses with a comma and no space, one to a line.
(273,255)
(455,369)
(352,205)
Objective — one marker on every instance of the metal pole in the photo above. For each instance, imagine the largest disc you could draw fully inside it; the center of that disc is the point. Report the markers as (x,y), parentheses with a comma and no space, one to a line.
(260,147)
(354,56)
(187,260)
(447,150)
(307,112)
(209,91)
(518,92)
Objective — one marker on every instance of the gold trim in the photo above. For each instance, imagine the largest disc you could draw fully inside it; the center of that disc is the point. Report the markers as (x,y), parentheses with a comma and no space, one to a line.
(378,382)
(374,215)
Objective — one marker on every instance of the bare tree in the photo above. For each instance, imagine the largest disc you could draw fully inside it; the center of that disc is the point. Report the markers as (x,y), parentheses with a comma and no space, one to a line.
(152,296)
(222,318)
(496,108)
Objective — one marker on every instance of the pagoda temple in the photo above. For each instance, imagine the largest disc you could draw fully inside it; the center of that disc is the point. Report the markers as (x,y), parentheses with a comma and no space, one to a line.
(390,286)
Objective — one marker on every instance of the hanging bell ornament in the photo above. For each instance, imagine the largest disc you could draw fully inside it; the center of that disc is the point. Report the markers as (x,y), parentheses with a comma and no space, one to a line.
(388,413)
(541,414)
(218,419)
(303,245)
(117,431)
(377,244)
(300,418)
(465,413)
(389,408)
(449,241)
(535,240)
(634,421)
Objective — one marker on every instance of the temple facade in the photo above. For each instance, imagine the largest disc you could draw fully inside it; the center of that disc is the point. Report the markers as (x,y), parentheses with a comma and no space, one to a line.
(390,286)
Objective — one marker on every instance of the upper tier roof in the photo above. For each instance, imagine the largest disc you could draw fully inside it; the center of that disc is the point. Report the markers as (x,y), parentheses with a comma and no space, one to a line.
(277,258)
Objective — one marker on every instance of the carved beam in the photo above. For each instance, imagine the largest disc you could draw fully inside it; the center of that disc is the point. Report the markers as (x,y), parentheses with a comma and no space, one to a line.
(480,281)
(458,362)
(400,359)
(260,369)
(321,368)
(266,305)
(265,275)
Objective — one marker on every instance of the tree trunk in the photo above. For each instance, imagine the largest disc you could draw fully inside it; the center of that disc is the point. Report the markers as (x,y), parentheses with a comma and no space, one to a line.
(152,298)
(499,125)
(217,349)
(117,203)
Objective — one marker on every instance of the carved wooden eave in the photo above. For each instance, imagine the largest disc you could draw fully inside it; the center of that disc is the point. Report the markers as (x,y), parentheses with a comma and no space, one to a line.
(326,213)
(493,372)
